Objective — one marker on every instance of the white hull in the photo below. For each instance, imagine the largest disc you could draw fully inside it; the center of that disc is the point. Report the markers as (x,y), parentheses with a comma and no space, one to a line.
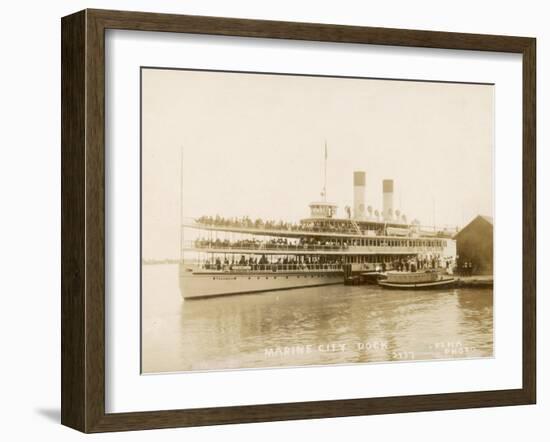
(200,285)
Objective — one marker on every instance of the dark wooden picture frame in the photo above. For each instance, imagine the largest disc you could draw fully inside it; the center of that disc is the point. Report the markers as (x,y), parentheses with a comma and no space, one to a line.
(83,220)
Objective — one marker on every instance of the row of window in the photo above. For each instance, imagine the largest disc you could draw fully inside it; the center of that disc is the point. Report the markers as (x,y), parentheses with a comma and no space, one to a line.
(382,242)
(318,275)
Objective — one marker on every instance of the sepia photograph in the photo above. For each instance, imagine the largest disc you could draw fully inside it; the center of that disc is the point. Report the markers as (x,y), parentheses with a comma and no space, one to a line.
(292,220)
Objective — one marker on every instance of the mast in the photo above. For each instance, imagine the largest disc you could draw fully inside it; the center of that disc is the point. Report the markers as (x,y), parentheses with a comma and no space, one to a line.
(325,177)
(433,212)
(181,204)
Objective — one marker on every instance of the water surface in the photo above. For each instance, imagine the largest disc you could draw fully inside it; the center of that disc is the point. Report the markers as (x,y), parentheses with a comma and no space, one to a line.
(311,326)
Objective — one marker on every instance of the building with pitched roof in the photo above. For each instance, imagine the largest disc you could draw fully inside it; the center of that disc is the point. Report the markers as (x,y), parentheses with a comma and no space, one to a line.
(474,246)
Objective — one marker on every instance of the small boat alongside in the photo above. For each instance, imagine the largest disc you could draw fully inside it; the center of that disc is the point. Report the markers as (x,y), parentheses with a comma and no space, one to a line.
(416,280)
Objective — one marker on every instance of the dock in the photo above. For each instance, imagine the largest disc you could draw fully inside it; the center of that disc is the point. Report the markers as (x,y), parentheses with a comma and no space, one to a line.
(475,281)
(362,278)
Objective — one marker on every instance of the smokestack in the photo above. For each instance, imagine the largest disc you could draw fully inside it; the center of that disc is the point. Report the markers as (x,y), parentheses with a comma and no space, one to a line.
(387,199)
(359,194)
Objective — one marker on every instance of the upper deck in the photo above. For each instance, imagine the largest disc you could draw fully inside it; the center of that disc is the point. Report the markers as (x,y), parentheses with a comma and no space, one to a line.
(360,247)
(337,228)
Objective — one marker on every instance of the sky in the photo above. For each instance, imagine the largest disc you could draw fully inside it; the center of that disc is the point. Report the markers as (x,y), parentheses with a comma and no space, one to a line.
(253,145)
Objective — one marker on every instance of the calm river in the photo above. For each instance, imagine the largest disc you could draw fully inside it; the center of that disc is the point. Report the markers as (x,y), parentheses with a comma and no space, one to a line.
(312,326)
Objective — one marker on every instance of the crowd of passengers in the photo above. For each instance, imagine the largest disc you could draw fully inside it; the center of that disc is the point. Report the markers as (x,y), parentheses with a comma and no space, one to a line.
(262,263)
(421,263)
(274,243)
(248,223)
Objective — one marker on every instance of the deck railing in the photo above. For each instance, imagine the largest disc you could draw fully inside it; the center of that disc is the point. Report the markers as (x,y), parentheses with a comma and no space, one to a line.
(263,246)
(308,248)
(339,229)
(275,229)
(236,268)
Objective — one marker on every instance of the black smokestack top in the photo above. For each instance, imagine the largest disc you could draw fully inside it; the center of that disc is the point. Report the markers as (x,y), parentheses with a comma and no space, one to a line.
(387,186)
(359,178)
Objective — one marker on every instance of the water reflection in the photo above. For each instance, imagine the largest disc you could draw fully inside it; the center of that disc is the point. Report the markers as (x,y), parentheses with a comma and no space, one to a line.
(310,326)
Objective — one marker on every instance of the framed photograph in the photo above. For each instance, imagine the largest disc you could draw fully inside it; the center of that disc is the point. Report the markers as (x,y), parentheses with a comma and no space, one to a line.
(270,220)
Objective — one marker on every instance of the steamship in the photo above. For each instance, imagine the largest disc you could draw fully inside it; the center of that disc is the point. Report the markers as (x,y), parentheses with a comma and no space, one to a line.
(234,256)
